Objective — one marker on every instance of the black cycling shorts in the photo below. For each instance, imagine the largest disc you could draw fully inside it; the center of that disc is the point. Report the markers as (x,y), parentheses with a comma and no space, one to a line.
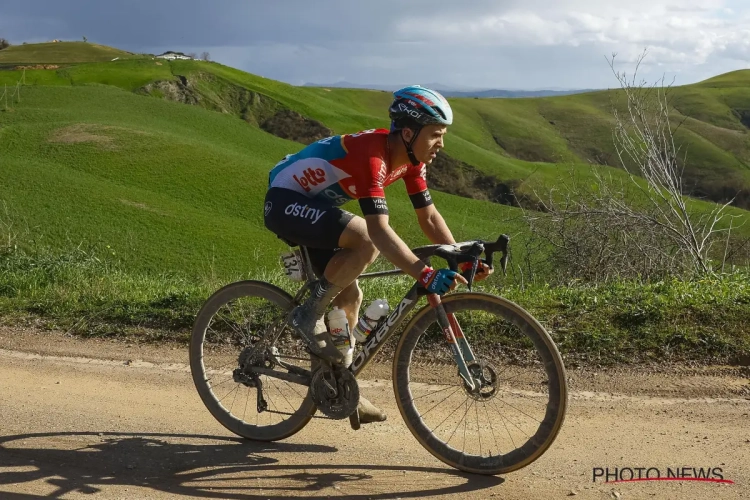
(312,223)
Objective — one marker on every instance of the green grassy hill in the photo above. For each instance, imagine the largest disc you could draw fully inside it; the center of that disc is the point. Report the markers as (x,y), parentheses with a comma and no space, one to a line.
(59,53)
(166,186)
(101,152)
(128,206)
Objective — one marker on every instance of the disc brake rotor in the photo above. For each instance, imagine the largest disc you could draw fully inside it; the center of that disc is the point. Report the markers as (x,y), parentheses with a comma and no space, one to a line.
(485,380)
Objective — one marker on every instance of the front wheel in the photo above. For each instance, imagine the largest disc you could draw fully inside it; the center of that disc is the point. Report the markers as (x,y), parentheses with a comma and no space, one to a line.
(516,415)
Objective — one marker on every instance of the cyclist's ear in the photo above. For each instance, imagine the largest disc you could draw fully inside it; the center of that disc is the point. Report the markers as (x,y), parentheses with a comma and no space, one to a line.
(407,134)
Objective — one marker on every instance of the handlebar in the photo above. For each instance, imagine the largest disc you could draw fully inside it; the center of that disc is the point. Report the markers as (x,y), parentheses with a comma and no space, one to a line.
(469,251)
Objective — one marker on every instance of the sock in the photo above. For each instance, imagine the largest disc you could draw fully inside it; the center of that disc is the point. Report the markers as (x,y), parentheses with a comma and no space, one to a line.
(315,306)
(322,295)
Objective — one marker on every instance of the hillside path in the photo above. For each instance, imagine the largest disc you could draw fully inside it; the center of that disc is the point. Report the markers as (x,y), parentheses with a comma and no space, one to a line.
(108,419)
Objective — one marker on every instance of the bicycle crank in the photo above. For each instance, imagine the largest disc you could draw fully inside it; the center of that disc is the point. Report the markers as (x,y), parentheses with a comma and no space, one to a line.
(335,392)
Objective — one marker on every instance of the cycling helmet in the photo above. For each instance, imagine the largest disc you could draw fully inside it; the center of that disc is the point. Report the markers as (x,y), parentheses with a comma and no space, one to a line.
(414,107)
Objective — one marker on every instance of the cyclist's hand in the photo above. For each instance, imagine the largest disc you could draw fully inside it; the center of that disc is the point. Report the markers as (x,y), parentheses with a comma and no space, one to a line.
(483,270)
(441,280)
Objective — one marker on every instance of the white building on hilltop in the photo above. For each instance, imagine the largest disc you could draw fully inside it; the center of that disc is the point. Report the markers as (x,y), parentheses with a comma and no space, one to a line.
(173,55)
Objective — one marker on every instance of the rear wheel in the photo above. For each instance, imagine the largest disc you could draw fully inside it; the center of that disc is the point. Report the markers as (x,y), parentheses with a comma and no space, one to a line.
(240,326)
(513,418)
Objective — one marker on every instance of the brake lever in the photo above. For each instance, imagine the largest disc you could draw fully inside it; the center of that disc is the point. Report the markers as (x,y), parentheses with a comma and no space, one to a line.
(473,272)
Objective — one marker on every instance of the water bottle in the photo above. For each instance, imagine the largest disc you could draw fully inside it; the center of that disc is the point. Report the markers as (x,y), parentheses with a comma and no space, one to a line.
(376,310)
(338,326)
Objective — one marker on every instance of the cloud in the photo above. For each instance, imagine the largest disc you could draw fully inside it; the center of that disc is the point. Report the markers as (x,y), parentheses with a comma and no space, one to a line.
(678,32)
(480,43)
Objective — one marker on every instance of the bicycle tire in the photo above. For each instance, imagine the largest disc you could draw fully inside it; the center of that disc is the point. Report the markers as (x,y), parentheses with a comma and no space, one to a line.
(556,405)
(242,289)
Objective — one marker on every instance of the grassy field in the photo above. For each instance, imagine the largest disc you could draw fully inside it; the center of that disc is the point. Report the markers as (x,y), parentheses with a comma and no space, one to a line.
(121,210)
(183,184)
(166,186)
(91,294)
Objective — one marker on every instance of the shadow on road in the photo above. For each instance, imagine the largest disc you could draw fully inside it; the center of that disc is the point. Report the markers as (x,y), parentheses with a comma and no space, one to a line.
(208,467)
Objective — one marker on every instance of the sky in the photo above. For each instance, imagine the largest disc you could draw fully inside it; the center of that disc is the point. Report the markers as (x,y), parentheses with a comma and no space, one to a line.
(474,44)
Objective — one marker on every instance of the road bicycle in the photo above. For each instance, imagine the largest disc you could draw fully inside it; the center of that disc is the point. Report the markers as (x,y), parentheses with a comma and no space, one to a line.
(478,381)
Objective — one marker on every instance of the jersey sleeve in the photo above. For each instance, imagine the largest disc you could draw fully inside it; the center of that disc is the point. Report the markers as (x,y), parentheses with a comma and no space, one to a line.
(372,199)
(416,187)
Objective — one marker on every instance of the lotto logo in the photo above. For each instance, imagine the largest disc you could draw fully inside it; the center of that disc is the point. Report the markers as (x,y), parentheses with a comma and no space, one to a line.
(398,172)
(311,177)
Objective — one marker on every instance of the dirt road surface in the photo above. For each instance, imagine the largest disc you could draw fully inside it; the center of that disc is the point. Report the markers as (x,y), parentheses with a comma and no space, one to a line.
(106,419)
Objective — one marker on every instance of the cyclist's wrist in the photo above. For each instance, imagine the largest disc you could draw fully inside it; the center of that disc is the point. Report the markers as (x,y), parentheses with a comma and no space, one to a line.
(426,275)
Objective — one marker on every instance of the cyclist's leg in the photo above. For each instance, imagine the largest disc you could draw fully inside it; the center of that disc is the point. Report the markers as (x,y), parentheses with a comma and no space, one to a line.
(318,225)
(331,264)
(340,263)
(341,267)
(356,254)
(349,298)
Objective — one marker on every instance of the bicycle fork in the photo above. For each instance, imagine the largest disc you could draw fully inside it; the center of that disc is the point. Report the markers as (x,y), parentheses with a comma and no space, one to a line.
(453,334)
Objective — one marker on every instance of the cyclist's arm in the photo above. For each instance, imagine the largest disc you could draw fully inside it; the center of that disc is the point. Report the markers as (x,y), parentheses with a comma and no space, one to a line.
(433,225)
(392,247)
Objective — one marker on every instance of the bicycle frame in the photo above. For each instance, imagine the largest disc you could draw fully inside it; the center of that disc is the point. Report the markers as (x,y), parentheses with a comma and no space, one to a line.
(387,326)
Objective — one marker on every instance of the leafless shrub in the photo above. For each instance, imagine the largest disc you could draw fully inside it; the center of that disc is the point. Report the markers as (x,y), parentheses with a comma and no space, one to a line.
(642,226)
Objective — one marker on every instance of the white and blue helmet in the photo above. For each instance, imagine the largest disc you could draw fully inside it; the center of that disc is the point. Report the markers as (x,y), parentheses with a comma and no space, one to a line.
(420,105)
(414,107)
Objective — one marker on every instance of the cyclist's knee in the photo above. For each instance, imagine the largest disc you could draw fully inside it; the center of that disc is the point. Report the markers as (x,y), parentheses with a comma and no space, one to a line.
(369,251)
(355,237)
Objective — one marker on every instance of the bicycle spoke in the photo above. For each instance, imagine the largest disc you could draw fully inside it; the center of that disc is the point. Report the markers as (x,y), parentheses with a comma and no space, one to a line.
(438,403)
(509,420)
(446,418)
(434,392)
(489,421)
(459,423)
(520,411)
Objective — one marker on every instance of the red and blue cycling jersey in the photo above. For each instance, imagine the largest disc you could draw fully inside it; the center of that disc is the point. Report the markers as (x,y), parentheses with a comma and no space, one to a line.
(349,167)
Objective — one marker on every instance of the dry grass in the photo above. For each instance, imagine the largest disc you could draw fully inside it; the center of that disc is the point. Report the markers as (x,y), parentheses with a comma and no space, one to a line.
(142,206)
(83,133)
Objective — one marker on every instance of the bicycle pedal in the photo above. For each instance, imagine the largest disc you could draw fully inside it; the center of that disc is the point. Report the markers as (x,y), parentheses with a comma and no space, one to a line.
(354,420)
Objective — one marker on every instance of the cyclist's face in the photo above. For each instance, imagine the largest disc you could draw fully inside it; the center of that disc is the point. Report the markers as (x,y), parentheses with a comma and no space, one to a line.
(429,142)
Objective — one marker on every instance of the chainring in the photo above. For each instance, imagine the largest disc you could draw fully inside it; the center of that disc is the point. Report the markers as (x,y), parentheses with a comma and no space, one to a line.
(335,392)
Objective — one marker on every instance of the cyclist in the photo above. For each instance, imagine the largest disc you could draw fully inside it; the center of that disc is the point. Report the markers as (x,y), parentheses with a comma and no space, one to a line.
(302,206)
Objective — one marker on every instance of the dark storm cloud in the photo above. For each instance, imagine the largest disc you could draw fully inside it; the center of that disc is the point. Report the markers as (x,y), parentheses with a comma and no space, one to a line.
(212,23)
(478,43)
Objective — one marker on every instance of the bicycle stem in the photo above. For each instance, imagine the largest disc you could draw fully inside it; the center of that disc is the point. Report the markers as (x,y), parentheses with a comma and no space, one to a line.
(455,338)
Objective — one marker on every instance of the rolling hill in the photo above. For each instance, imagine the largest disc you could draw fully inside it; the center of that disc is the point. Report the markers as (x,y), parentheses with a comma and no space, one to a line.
(59,53)
(110,154)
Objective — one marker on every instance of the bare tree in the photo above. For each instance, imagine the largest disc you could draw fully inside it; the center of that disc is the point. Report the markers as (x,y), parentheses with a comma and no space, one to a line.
(191,55)
(645,135)
(582,237)
(4,44)
(205,56)
(642,226)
